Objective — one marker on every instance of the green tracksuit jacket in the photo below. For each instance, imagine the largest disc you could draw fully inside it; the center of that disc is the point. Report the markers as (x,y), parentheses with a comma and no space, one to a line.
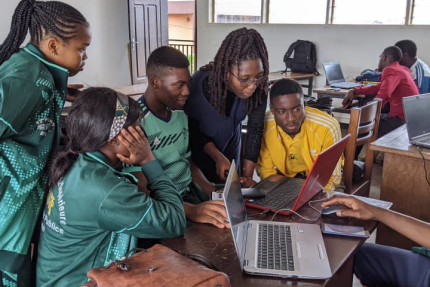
(95,214)
(32,93)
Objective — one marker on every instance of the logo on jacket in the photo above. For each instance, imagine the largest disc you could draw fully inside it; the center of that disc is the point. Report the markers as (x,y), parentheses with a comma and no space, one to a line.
(313,152)
(157,141)
(44,126)
(50,202)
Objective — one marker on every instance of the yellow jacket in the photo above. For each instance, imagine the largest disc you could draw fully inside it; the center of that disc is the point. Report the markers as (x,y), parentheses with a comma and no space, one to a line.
(318,132)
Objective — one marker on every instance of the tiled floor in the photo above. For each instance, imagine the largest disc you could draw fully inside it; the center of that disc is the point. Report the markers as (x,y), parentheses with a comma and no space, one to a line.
(375,191)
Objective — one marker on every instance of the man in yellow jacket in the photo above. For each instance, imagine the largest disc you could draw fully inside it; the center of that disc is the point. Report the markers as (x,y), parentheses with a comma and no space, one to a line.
(294,135)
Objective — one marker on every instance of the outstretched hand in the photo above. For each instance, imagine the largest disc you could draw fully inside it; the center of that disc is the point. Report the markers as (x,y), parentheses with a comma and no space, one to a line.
(134,140)
(222,165)
(73,91)
(247,181)
(212,212)
(355,207)
(349,97)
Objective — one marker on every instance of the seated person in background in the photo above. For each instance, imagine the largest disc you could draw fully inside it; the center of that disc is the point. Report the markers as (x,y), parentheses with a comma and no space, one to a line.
(396,83)
(294,135)
(166,127)
(94,212)
(419,70)
(378,265)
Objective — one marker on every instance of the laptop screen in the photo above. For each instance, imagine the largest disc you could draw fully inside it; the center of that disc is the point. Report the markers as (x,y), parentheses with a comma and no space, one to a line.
(236,211)
(416,109)
(333,72)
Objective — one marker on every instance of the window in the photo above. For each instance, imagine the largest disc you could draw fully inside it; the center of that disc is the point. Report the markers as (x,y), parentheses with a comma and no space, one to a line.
(342,12)
(368,12)
(420,12)
(297,11)
(238,11)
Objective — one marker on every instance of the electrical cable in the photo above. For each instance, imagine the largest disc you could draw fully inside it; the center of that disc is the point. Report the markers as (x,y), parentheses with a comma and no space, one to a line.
(301,216)
(425,166)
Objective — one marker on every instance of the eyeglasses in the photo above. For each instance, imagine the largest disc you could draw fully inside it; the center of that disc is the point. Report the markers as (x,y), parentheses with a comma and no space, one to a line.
(246,83)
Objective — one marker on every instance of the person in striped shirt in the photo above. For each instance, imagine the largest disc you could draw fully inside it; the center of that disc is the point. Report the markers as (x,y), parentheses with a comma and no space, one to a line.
(420,71)
(294,135)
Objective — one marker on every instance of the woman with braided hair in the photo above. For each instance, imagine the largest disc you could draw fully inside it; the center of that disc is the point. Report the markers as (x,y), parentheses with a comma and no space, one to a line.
(222,94)
(33,87)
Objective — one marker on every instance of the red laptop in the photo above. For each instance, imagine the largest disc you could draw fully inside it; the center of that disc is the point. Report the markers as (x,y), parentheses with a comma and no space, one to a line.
(292,193)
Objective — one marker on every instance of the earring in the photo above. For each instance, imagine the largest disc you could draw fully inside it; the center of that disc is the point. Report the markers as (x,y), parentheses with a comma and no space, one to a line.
(54,54)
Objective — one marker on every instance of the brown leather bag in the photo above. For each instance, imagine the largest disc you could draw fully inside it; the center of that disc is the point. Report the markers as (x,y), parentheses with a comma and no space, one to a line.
(157,266)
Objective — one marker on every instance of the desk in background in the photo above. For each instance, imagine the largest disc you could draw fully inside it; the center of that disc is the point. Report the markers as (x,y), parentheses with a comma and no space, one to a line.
(339,113)
(217,246)
(403,183)
(274,76)
(133,91)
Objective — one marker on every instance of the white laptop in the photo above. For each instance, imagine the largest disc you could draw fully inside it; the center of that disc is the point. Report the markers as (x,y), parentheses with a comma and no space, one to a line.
(273,248)
(335,78)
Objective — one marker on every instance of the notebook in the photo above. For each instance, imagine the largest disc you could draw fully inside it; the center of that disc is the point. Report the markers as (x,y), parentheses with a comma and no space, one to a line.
(417,116)
(292,193)
(273,248)
(335,78)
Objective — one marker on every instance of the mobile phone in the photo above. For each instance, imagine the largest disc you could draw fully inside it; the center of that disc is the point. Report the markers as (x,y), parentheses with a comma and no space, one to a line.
(344,230)
(216,195)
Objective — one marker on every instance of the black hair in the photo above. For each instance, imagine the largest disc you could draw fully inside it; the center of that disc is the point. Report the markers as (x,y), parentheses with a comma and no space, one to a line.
(41,18)
(165,57)
(88,126)
(408,46)
(240,45)
(285,87)
(394,53)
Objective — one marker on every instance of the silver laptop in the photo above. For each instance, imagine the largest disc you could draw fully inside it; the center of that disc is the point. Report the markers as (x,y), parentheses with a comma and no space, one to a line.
(335,78)
(417,116)
(273,248)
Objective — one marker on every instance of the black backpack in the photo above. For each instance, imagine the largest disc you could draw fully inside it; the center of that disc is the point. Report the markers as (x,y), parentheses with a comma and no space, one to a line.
(305,57)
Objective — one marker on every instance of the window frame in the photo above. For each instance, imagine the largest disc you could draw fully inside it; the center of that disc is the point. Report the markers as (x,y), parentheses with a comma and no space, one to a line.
(330,13)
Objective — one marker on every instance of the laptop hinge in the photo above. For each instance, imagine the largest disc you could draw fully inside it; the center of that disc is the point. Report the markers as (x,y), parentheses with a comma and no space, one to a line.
(245,262)
(420,137)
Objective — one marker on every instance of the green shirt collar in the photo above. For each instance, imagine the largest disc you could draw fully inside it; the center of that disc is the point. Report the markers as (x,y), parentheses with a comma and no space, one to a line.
(101,158)
(59,74)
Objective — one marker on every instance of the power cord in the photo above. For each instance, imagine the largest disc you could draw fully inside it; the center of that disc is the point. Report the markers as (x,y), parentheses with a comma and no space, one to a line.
(259,213)
(301,216)
(425,166)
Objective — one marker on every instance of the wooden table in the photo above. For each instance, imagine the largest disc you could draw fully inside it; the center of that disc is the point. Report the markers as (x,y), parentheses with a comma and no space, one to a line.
(327,90)
(403,182)
(217,245)
(339,113)
(139,89)
(274,76)
(133,91)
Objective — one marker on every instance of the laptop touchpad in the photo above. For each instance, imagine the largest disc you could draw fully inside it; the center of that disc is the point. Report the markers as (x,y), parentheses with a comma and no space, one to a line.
(308,250)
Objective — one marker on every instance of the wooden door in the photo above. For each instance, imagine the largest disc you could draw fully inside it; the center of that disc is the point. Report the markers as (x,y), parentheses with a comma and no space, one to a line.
(148,31)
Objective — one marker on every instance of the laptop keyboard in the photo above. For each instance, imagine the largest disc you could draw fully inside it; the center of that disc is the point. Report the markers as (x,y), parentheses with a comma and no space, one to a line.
(275,248)
(283,196)
(346,85)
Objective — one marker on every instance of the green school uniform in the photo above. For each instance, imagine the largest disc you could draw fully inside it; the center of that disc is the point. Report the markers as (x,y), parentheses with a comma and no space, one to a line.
(95,214)
(32,93)
(169,140)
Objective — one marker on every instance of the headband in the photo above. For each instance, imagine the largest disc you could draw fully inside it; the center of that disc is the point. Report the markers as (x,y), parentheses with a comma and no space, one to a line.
(121,114)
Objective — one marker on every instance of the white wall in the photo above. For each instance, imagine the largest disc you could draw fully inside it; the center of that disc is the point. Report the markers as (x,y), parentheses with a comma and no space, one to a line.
(108,63)
(356,47)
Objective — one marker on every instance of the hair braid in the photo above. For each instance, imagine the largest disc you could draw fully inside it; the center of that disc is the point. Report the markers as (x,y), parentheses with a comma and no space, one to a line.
(40,18)
(240,45)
